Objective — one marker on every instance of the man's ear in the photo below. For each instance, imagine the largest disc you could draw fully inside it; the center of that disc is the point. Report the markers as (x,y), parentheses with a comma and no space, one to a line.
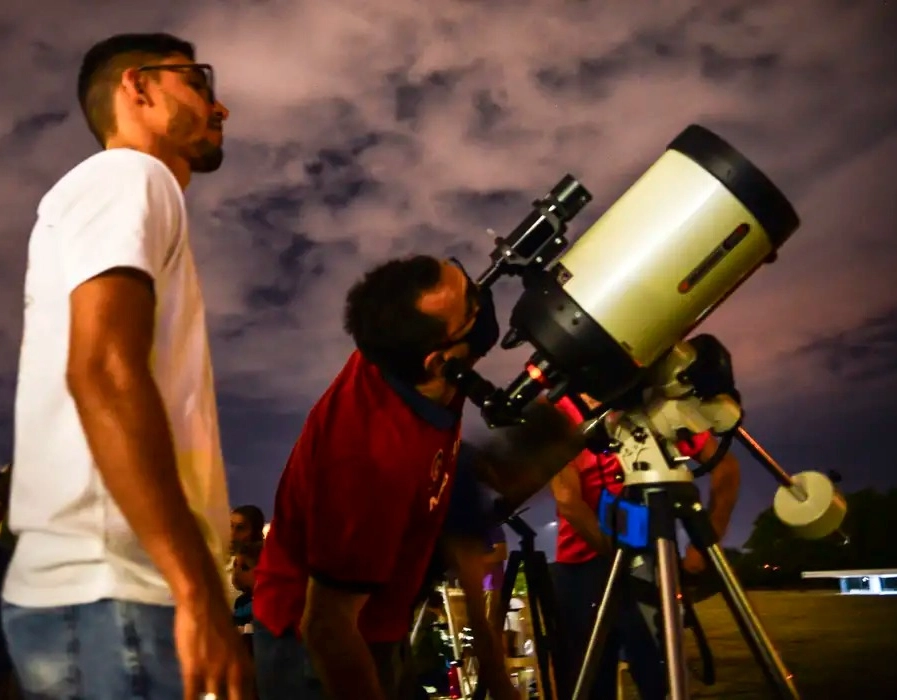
(133,84)
(434,363)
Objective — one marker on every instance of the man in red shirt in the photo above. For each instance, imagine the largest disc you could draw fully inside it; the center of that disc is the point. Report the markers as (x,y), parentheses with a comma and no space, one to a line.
(584,556)
(366,488)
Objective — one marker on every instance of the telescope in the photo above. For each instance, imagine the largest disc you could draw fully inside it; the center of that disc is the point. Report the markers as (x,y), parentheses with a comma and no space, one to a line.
(694,227)
(609,317)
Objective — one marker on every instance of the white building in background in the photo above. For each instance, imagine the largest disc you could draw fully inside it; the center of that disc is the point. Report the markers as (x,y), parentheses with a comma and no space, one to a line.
(861,581)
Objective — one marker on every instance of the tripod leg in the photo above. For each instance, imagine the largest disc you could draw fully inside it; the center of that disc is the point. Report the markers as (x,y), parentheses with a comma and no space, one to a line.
(510,580)
(620,568)
(507,590)
(548,607)
(752,629)
(418,623)
(673,632)
(691,621)
(546,637)
(703,536)
(537,617)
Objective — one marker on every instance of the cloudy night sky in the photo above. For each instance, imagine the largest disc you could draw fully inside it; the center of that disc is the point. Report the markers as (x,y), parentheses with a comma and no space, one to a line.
(362,130)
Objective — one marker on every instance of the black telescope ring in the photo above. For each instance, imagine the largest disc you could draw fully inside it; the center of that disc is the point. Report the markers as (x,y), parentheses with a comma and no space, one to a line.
(742,178)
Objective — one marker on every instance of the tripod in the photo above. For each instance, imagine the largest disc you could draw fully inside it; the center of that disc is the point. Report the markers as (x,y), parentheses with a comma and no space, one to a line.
(543,608)
(647,519)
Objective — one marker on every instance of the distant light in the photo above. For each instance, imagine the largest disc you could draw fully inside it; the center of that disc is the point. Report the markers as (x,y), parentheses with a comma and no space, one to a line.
(265,529)
(553,523)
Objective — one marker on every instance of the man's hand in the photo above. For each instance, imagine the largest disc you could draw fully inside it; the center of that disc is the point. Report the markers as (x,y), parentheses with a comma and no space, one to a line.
(213,657)
(506,692)
(693,562)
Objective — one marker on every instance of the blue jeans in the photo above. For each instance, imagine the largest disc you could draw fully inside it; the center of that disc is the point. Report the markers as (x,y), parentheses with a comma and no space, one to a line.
(634,632)
(108,650)
(5,661)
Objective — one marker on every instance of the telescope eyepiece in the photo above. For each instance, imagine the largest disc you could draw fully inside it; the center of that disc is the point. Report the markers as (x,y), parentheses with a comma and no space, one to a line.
(569,196)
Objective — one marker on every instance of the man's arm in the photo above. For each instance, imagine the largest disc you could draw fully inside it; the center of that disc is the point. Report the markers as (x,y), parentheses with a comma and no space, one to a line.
(467,558)
(121,411)
(567,491)
(725,481)
(340,654)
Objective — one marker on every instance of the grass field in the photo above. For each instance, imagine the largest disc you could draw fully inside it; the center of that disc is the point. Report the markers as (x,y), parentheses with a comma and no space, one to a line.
(836,646)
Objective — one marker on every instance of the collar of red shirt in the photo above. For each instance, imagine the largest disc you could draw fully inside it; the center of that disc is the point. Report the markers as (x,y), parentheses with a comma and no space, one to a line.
(439,416)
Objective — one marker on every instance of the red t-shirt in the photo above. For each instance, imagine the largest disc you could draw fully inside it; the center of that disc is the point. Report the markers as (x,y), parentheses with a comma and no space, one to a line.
(360,502)
(597,472)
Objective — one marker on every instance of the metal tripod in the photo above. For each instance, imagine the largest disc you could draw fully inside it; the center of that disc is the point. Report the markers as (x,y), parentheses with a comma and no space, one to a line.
(666,504)
(540,594)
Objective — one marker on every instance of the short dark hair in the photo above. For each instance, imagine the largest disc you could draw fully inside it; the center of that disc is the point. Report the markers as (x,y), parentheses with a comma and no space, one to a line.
(383,319)
(103,64)
(256,519)
(250,551)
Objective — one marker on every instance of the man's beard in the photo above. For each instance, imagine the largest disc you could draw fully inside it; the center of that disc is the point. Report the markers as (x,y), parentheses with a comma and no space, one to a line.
(206,157)
(203,156)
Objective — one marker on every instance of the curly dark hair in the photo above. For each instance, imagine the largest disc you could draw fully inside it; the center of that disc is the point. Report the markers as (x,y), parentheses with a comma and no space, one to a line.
(383,318)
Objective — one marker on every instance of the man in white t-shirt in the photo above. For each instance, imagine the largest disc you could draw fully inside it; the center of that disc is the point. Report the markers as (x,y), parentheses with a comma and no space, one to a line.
(119,499)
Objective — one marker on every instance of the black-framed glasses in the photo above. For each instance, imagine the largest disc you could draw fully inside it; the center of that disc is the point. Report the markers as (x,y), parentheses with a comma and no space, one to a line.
(202,76)
(472,294)
(472,304)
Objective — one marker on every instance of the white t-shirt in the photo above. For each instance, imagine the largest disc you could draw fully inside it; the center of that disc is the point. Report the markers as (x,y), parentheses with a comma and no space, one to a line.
(118,208)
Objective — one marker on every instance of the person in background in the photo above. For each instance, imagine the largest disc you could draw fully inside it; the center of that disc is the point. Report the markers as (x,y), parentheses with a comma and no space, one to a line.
(119,494)
(584,557)
(246,559)
(365,491)
(247,525)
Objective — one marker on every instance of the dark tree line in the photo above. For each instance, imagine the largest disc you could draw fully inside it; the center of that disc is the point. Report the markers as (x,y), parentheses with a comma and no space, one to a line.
(773,556)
